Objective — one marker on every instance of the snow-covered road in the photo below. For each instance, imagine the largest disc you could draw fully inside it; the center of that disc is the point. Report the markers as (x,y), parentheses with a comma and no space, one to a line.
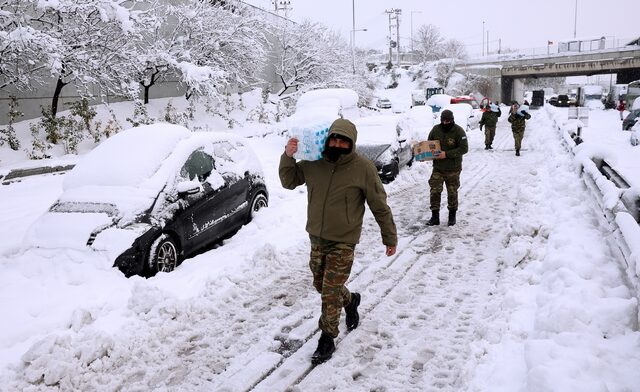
(484,305)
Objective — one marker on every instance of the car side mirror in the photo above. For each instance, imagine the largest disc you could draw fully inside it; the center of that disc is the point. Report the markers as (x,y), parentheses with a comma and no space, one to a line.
(186,188)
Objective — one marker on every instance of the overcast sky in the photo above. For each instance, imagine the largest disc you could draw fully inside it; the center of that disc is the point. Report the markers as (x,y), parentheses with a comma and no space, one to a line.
(517,24)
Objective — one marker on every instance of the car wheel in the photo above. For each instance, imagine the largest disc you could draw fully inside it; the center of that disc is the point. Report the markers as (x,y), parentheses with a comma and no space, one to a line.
(163,255)
(259,202)
(395,169)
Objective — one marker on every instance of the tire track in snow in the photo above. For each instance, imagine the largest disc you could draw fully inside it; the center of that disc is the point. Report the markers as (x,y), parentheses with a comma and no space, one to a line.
(387,278)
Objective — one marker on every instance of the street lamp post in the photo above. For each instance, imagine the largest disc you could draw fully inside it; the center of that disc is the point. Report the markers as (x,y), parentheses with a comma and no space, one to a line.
(353,34)
(353,40)
(413,12)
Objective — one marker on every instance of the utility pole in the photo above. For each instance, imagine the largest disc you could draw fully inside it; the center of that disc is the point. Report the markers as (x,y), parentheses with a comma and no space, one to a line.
(390,12)
(394,14)
(398,12)
(487,42)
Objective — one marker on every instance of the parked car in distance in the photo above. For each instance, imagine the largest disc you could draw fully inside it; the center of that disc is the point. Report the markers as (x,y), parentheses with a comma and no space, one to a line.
(631,119)
(416,123)
(563,101)
(553,101)
(341,101)
(382,140)
(150,196)
(466,99)
(438,101)
(383,103)
(464,115)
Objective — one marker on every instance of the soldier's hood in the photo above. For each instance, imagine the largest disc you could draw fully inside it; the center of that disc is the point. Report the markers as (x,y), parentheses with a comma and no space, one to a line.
(345,128)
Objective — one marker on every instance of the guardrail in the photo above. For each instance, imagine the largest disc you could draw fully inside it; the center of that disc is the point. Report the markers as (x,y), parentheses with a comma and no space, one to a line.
(620,205)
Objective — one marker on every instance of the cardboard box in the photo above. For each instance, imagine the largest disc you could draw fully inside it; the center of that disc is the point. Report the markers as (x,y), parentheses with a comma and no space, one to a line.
(426,150)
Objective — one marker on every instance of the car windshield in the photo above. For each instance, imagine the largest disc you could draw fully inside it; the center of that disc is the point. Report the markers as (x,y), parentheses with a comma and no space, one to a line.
(372,151)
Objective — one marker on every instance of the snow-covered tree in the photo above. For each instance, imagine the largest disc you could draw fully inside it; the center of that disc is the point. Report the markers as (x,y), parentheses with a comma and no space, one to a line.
(8,134)
(94,47)
(310,55)
(24,50)
(208,47)
(429,43)
(454,49)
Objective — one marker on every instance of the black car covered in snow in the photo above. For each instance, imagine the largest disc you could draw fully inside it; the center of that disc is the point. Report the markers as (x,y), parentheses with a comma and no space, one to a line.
(150,196)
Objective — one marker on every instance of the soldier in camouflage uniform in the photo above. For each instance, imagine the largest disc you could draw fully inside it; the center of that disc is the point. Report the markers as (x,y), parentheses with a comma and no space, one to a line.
(338,185)
(489,120)
(447,166)
(517,118)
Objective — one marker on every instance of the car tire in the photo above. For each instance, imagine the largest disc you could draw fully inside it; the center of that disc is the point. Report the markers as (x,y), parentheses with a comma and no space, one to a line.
(164,255)
(258,202)
(394,172)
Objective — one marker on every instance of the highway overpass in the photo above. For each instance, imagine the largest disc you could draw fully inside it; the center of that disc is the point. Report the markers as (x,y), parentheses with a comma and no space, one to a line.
(508,71)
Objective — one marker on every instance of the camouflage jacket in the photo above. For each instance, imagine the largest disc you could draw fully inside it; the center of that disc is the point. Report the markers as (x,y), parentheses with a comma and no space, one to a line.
(490,119)
(337,192)
(518,122)
(454,143)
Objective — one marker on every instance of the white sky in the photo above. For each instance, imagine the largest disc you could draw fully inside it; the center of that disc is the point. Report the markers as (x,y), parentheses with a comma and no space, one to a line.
(520,25)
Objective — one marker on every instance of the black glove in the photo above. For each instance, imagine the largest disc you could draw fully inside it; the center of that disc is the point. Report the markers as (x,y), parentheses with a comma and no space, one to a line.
(480,127)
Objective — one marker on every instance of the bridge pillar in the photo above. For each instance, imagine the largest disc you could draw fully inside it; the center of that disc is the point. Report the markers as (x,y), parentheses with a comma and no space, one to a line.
(512,90)
(627,75)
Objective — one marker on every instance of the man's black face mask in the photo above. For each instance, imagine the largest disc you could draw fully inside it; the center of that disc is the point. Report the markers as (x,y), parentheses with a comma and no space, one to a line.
(447,127)
(333,153)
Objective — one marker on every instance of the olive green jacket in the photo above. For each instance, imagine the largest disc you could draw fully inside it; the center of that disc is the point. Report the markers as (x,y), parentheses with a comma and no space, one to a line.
(454,143)
(490,119)
(518,123)
(337,191)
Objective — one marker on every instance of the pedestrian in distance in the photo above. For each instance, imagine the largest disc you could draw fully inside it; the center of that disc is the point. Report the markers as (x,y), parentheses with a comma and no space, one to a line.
(447,166)
(518,117)
(489,121)
(621,108)
(338,185)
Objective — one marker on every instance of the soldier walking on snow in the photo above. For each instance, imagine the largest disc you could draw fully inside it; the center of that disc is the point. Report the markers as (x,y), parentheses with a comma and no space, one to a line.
(489,120)
(518,118)
(338,185)
(447,166)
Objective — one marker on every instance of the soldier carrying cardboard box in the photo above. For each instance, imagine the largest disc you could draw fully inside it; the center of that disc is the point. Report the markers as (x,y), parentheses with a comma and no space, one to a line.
(447,166)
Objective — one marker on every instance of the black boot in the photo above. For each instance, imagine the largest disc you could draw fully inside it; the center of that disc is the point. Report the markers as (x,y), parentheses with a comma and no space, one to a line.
(452,217)
(325,349)
(352,312)
(518,152)
(435,218)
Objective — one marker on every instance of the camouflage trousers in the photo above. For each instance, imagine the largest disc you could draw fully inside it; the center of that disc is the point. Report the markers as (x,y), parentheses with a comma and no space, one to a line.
(489,134)
(452,181)
(330,263)
(517,137)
